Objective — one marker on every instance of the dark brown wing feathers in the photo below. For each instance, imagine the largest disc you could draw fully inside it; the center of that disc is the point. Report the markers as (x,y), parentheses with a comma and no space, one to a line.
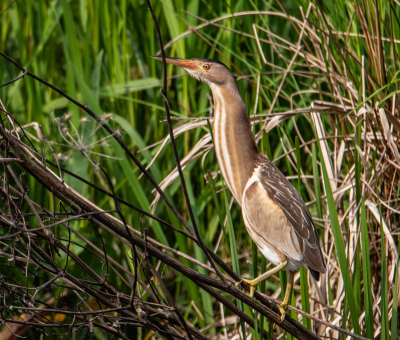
(286,196)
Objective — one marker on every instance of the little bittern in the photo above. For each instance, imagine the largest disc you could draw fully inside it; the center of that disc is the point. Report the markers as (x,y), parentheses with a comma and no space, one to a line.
(274,213)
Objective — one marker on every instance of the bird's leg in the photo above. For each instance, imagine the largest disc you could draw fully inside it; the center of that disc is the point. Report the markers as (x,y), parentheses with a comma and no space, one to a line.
(283,307)
(253,283)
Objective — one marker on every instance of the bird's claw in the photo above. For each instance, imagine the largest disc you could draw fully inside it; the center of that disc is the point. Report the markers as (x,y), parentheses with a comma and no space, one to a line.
(283,307)
(251,283)
(238,283)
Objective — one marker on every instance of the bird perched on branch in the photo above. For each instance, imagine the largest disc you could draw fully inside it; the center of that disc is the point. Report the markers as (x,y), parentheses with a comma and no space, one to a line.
(274,213)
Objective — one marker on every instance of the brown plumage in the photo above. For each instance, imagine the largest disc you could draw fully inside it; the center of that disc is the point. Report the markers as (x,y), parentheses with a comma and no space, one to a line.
(274,213)
(298,219)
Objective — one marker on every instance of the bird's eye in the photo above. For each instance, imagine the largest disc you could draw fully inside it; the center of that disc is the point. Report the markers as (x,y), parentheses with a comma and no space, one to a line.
(206,67)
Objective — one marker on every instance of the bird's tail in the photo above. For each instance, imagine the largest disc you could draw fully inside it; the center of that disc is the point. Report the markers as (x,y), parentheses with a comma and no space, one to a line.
(314,274)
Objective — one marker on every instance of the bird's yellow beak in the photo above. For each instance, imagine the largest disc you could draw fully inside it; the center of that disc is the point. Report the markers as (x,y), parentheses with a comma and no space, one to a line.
(184,63)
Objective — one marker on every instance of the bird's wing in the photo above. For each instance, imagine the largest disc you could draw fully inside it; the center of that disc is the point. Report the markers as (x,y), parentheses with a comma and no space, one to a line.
(279,214)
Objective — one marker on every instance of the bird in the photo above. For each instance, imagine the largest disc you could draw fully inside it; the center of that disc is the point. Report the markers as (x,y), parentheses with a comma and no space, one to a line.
(274,213)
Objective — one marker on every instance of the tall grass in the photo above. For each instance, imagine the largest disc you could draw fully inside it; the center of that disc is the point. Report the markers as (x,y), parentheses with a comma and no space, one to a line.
(325,79)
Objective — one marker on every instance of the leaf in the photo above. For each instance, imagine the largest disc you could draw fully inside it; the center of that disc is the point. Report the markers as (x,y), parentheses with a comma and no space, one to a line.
(369,316)
(340,250)
(95,79)
(107,91)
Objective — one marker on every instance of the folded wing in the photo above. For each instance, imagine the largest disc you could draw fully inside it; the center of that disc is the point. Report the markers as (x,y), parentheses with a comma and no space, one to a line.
(280,218)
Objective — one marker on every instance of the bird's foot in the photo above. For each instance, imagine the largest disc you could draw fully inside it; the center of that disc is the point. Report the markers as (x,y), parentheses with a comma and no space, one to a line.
(253,285)
(283,307)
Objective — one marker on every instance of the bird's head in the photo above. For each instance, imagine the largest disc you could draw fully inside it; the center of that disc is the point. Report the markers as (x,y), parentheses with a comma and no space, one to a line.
(209,71)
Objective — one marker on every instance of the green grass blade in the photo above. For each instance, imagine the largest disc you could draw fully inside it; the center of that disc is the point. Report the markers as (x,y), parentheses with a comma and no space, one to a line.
(395,307)
(340,250)
(369,320)
(140,143)
(88,95)
(206,298)
(357,173)
(298,163)
(114,91)
(305,298)
(234,254)
(344,319)
(317,188)
(254,270)
(270,330)
(232,240)
(138,192)
(263,320)
(70,29)
(217,205)
(384,283)
(95,78)
(384,275)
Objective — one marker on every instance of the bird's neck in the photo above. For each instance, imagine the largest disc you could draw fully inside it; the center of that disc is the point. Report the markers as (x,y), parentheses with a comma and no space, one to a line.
(235,147)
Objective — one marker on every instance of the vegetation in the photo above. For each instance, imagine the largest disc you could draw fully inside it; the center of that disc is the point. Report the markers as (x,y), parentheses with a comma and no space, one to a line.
(321,83)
